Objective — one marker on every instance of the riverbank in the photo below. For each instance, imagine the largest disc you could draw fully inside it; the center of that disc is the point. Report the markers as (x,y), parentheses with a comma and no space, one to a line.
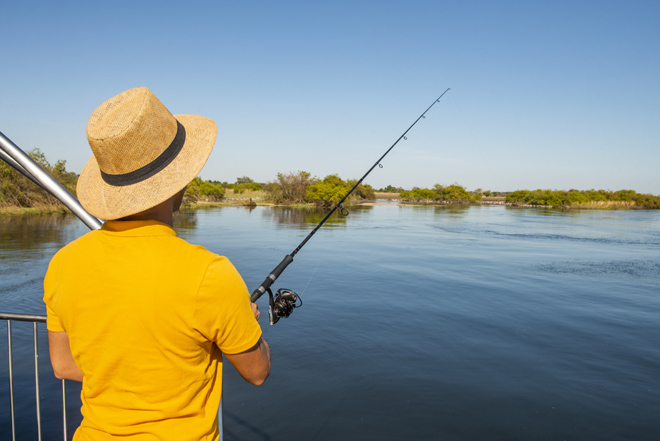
(254,202)
(250,198)
(36,210)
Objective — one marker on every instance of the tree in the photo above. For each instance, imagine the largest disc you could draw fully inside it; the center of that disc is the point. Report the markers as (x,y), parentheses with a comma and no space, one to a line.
(291,187)
(244,180)
(391,189)
(362,191)
(454,192)
(199,189)
(331,189)
(17,190)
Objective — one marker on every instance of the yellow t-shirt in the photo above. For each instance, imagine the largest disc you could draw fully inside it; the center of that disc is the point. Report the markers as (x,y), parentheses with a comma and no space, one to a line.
(148,315)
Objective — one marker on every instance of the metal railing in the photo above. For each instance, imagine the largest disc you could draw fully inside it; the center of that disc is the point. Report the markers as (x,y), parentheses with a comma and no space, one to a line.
(34,319)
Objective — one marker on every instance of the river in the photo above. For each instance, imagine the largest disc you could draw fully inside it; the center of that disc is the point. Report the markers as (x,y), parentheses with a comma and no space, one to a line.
(426,323)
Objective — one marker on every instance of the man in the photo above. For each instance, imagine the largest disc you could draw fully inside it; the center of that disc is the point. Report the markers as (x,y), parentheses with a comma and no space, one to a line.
(138,315)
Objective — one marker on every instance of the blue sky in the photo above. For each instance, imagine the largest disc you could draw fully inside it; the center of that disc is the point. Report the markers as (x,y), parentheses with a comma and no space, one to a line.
(545,94)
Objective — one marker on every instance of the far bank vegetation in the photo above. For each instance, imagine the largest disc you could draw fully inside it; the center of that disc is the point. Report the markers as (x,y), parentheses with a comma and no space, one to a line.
(599,199)
(19,195)
(450,194)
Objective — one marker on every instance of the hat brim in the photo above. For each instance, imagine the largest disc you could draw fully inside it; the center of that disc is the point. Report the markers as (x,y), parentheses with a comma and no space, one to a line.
(110,202)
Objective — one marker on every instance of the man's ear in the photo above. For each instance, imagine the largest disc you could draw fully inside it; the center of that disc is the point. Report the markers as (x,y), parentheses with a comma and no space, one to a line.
(178,199)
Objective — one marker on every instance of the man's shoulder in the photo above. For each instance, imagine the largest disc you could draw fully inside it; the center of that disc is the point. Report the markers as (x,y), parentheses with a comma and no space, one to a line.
(198,251)
(80,242)
(171,245)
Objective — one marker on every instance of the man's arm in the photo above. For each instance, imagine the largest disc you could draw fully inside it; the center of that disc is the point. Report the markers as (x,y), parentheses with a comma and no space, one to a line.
(253,364)
(61,358)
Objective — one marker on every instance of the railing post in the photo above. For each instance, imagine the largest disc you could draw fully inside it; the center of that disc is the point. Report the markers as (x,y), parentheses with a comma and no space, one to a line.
(36,377)
(221,423)
(11,382)
(64,408)
(35,320)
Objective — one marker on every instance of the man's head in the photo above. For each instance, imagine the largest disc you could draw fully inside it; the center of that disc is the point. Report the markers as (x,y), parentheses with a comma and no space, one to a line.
(143,155)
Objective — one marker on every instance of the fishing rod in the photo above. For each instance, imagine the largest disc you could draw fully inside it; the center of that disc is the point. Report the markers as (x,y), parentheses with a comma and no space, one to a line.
(284,301)
(20,161)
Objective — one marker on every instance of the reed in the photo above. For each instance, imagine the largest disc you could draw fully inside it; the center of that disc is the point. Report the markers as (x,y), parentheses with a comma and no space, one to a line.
(384,195)
(605,205)
(245,194)
(39,209)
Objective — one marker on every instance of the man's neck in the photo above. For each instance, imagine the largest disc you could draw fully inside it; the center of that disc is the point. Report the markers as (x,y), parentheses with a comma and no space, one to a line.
(161,213)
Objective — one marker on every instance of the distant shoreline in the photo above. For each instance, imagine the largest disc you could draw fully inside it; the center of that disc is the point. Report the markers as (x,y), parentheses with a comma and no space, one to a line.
(391,198)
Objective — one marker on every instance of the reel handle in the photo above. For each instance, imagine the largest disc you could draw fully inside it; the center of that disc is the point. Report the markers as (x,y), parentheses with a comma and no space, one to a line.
(265,285)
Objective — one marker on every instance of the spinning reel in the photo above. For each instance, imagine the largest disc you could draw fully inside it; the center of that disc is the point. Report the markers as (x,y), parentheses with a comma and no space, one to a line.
(282,304)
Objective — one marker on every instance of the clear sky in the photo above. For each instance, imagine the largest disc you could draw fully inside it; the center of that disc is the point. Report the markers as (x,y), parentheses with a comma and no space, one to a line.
(545,94)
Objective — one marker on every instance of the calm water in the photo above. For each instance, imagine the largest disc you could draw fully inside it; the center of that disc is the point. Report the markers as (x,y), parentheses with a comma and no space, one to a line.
(419,323)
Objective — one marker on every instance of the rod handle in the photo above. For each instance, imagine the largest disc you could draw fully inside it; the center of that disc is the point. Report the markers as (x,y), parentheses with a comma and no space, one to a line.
(271,278)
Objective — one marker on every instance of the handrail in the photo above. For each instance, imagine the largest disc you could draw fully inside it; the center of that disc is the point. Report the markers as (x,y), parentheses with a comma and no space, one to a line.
(22,317)
(34,319)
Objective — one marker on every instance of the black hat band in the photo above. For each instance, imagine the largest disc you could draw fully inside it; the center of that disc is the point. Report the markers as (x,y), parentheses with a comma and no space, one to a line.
(155,166)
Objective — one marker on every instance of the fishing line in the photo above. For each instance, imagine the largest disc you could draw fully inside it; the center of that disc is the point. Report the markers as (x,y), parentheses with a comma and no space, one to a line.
(310,278)
(284,301)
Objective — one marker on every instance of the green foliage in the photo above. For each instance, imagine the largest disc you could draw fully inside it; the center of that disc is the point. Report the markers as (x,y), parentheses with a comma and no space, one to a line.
(300,187)
(517,196)
(291,187)
(205,190)
(454,192)
(391,189)
(647,201)
(18,191)
(418,194)
(563,198)
(362,191)
(450,193)
(240,188)
(331,189)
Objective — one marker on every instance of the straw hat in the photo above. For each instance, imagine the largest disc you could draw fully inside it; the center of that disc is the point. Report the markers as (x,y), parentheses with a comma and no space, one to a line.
(143,155)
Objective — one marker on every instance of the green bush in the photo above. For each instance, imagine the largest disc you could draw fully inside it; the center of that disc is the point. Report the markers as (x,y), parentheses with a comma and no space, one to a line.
(207,190)
(450,193)
(562,198)
(331,189)
(391,189)
(362,191)
(18,191)
(291,187)
(240,188)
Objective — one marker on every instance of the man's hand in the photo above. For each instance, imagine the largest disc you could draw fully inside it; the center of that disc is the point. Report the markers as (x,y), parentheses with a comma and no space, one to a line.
(255,311)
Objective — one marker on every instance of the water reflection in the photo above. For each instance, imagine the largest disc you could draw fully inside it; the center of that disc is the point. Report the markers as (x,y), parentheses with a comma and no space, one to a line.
(544,211)
(302,218)
(185,220)
(25,233)
(452,212)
